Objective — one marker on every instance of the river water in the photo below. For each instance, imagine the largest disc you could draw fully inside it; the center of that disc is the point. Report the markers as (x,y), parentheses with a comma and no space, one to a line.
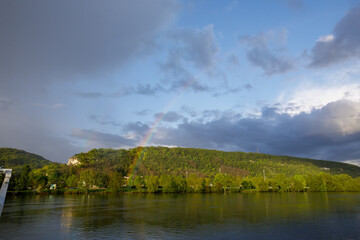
(182,216)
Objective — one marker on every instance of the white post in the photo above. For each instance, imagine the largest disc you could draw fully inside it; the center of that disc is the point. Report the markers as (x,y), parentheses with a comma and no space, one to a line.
(4,187)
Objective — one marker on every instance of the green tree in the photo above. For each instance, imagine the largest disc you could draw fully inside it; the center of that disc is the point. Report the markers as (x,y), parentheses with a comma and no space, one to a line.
(71,181)
(298,183)
(23,181)
(247,184)
(223,182)
(116,181)
(87,179)
(139,182)
(152,183)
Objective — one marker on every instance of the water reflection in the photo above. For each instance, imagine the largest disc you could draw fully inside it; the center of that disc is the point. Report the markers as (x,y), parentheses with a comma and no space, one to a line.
(211,216)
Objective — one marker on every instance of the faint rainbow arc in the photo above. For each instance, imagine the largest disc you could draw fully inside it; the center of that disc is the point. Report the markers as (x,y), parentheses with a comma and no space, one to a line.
(156,123)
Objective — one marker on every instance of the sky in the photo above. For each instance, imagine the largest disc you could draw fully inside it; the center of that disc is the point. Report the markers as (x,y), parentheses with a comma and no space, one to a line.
(274,76)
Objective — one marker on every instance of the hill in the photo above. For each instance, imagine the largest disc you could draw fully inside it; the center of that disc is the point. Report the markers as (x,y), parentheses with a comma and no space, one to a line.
(15,159)
(207,163)
(161,169)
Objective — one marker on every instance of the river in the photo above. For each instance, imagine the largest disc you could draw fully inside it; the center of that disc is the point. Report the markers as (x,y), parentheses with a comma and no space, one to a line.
(182,216)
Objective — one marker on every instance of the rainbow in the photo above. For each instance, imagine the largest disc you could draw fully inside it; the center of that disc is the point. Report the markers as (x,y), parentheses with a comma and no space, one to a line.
(149,134)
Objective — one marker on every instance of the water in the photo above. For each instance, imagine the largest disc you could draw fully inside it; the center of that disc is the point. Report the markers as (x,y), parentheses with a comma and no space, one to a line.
(183,216)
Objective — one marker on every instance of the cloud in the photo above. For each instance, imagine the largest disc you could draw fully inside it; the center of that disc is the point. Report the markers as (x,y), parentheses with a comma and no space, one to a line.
(343,44)
(354,162)
(192,50)
(104,120)
(5,103)
(149,89)
(332,132)
(260,53)
(326,39)
(97,139)
(170,116)
(141,89)
(295,4)
(89,94)
(47,40)
(33,133)
(138,128)
(192,84)
(234,60)
(143,112)
(196,46)
(308,97)
(49,106)
(231,90)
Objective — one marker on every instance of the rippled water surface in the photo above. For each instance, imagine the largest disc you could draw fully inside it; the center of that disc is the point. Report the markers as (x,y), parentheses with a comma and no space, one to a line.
(182,216)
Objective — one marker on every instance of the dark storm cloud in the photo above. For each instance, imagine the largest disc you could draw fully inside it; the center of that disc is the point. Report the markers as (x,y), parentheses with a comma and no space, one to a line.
(98,139)
(46,40)
(5,103)
(342,45)
(332,132)
(35,134)
(261,55)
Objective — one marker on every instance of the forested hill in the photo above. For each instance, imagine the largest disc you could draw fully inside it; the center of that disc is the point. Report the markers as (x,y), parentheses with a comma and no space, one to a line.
(206,163)
(15,159)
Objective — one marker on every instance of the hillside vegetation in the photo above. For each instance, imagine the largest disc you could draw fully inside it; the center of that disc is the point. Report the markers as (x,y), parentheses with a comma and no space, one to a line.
(182,161)
(161,169)
(15,159)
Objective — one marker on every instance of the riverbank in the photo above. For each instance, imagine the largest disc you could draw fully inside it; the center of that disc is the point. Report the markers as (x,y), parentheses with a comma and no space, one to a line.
(144,191)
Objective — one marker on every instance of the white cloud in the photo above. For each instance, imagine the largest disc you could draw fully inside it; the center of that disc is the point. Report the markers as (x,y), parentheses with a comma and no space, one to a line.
(310,96)
(320,89)
(353,162)
(327,38)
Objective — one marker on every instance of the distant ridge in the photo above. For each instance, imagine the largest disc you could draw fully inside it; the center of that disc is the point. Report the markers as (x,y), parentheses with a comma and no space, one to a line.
(15,158)
(182,161)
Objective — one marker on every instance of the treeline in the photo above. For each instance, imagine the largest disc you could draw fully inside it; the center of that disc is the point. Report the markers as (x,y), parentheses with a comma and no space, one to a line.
(160,169)
(85,179)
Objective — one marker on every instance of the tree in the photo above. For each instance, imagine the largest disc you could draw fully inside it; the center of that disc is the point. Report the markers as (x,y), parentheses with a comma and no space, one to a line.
(23,180)
(223,182)
(298,183)
(152,183)
(116,181)
(247,184)
(71,181)
(87,179)
(139,182)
